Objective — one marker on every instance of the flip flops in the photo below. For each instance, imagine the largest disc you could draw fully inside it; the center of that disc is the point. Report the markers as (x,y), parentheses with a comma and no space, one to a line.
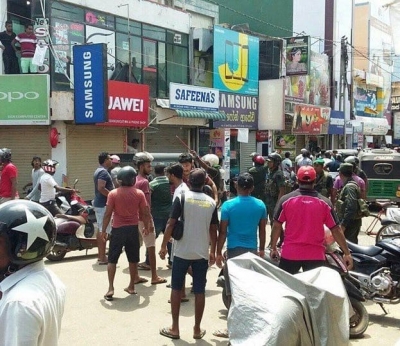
(143,266)
(183,300)
(221,333)
(167,333)
(159,281)
(141,281)
(108,297)
(199,336)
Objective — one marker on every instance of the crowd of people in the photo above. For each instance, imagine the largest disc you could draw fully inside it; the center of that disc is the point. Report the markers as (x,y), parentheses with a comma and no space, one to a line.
(136,203)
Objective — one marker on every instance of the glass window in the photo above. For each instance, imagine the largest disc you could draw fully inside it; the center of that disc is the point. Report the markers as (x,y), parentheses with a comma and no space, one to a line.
(122,50)
(162,69)
(99,19)
(62,10)
(153,32)
(64,36)
(121,24)
(177,64)
(150,65)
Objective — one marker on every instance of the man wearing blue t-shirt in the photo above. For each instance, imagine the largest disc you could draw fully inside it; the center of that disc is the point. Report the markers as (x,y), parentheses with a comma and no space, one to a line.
(240,219)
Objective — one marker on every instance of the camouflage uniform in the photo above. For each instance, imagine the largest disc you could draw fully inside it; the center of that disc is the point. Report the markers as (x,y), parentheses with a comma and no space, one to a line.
(275,180)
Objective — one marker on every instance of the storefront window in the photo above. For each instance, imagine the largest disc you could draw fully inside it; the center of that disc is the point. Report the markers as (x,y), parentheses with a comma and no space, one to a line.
(122,50)
(177,64)
(154,32)
(68,12)
(135,28)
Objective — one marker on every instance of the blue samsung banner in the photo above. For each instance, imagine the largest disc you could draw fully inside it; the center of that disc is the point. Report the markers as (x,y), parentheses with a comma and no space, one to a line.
(336,123)
(90,83)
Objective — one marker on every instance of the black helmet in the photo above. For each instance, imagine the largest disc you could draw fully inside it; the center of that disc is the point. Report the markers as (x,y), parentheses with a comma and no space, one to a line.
(49,166)
(275,158)
(352,159)
(5,154)
(29,230)
(127,176)
(142,157)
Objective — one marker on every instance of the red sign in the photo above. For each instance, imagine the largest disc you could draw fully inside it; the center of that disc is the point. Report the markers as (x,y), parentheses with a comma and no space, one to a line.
(262,136)
(310,120)
(128,104)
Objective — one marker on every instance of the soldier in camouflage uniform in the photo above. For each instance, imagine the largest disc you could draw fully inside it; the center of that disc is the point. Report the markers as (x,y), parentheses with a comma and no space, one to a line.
(259,173)
(275,184)
(323,182)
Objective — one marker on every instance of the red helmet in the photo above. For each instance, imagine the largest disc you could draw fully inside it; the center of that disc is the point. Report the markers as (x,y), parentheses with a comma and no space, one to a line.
(258,160)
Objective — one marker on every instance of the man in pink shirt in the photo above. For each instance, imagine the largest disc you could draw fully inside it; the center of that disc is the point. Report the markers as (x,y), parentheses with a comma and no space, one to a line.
(27,41)
(125,204)
(305,213)
(9,175)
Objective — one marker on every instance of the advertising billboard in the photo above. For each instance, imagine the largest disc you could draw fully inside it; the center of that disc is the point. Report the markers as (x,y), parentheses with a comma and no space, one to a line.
(310,120)
(241,111)
(90,83)
(236,58)
(24,99)
(182,96)
(297,55)
(128,104)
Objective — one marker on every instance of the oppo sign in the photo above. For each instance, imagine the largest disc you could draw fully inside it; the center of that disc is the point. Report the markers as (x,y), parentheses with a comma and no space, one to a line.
(16,95)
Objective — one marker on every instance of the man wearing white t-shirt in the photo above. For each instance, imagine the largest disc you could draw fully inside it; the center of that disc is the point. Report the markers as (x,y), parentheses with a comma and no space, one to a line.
(48,188)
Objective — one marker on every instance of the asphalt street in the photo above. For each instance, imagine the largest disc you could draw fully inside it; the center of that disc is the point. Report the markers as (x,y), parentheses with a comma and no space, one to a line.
(136,319)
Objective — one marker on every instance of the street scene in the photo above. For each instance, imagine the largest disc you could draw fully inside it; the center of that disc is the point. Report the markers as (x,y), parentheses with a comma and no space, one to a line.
(208,172)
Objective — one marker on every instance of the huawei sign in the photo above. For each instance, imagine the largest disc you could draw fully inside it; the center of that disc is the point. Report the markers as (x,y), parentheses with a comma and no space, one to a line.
(128,104)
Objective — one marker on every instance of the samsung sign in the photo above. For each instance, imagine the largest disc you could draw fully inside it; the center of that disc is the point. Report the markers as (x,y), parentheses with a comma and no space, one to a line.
(90,83)
(182,96)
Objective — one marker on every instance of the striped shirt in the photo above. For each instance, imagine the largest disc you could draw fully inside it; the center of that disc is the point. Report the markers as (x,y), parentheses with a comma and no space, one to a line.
(28,44)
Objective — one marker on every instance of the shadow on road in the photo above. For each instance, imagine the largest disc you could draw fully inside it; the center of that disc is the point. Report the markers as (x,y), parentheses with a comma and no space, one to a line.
(385,321)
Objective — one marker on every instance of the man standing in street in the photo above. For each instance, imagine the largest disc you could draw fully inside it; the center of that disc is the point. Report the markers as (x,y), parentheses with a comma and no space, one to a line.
(125,204)
(32,297)
(241,219)
(8,178)
(10,59)
(347,203)
(259,173)
(37,172)
(275,185)
(323,181)
(143,161)
(305,213)
(28,42)
(192,250)
(102,186)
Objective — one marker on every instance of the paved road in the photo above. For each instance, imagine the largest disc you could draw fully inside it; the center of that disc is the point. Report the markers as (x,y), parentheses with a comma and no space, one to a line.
(90,320)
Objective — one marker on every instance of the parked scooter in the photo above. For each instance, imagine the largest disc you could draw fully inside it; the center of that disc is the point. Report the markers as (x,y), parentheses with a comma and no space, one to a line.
(75,228)
(390,225)
(359,316)
(377,268)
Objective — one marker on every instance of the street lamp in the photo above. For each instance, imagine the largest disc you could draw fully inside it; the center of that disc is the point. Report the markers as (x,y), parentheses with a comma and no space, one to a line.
(129,45)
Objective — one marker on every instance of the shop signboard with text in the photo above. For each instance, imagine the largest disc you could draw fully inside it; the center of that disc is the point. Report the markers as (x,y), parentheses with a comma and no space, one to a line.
(128,104)
(190,97)
(310,120)
(336,123)
(241,111)
(24,99)
(297,55)
(236,57)
(90,83)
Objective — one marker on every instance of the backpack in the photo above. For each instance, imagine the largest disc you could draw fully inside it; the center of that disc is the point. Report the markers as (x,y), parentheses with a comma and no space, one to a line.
(363,209)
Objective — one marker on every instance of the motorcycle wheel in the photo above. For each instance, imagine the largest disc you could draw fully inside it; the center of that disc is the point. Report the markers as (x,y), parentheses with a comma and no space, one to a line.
(392,230)
(225,298)
(56,255)
(359,322)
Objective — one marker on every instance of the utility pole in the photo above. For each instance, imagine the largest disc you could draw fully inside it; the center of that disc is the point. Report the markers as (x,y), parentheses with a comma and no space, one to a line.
(129,46)
(344,61)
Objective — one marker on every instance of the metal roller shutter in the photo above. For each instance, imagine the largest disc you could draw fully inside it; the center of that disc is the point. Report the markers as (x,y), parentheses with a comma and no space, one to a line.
(164,140)
(245,150)
(84,143)
(25,142)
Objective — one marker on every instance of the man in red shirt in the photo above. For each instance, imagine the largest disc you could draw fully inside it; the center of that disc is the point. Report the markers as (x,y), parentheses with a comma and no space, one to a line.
(305,213)
(125,204)
(27,41)
(9,175)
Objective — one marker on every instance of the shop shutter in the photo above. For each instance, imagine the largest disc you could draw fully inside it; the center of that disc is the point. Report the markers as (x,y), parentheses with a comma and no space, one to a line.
(164,139)
(84,143)
(245,150)
(25,142)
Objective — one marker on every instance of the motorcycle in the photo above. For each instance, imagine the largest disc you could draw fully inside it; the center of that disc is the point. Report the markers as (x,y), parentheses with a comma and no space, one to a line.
(377,269)
(75,228)
(359,317)
(390,224)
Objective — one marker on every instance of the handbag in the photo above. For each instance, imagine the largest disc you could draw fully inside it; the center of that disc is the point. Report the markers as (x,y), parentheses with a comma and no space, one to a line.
(177,232)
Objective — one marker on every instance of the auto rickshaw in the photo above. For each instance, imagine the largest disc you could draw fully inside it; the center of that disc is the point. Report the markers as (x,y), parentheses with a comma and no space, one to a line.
(382,167)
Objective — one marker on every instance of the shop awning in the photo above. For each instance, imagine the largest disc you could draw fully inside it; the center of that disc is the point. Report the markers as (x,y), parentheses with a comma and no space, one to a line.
(201,114)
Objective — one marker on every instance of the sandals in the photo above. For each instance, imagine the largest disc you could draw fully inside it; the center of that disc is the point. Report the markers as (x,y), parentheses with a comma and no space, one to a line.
(221,333)
(166,331)
(199,336)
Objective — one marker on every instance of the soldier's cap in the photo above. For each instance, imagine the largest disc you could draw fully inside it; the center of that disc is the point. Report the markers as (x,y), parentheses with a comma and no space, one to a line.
(346,168)
(306,174)
(245,181)
(319,162)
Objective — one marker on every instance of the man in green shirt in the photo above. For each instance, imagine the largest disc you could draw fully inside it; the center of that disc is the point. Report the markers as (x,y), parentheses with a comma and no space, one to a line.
(161,201)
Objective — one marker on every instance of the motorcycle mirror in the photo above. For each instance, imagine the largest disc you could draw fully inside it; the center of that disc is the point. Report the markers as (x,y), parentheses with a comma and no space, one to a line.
(76,182)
